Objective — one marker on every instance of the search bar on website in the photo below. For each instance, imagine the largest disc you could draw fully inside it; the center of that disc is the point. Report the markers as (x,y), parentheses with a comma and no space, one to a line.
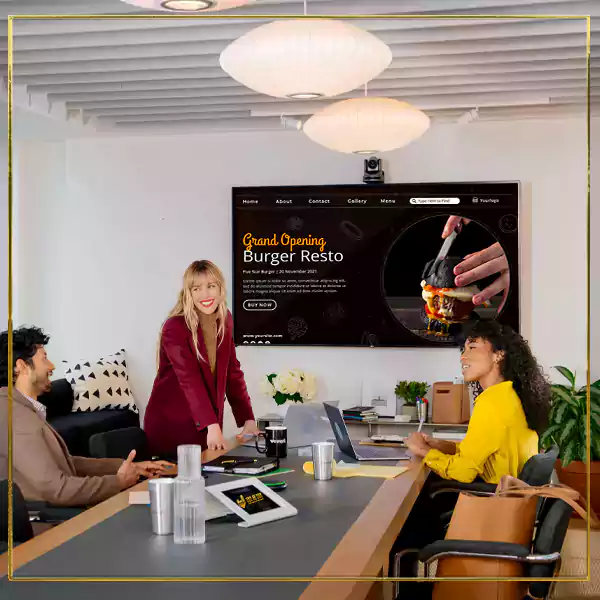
(435,201)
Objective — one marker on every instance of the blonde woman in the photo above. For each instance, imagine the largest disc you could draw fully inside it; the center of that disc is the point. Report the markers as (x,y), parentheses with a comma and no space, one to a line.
(197,367)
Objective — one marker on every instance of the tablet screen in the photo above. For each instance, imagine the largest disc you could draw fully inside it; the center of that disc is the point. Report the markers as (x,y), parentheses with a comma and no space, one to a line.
(250,499)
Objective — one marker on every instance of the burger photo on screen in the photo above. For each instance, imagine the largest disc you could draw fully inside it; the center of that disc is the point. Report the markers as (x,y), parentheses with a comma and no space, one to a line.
(446,306)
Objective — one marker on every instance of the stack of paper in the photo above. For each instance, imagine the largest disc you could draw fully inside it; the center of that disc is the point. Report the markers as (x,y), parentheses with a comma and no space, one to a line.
(343,469)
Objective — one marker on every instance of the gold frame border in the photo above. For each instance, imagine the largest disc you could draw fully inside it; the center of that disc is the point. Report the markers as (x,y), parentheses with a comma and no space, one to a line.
(11,20)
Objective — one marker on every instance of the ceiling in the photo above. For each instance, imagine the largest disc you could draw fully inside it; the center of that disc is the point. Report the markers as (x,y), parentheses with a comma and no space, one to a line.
(163,75)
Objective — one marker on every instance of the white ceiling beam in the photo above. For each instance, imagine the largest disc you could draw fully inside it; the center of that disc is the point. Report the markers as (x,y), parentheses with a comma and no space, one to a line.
(120,76)
(299,109)
(221,126)
(521,112)
(155,46)
(199,116)
(173,69)
(165,78)
(398,78)
(280,7)
(242,94)
(180,116)
(411,29)
(401,52)
(273,124)
(292,107)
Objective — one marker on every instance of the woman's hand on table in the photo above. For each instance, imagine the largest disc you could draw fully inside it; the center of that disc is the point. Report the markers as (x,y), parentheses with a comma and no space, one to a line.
(417,444)
(214,438)
(249,430)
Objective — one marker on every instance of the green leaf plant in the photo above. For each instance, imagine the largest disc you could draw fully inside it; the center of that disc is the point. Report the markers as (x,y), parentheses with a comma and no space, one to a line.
(567,424)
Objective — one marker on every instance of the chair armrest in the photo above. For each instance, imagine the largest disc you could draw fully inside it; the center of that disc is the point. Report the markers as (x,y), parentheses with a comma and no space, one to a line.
(483,549)
(36,505)
(45,513)
(54,514)
(473,548)
(444,487)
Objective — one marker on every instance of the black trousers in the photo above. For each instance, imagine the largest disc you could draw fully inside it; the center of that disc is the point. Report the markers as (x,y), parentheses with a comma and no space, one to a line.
(423,526)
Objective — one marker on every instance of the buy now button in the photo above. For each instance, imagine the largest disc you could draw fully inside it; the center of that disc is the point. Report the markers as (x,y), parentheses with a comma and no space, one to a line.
(260,304)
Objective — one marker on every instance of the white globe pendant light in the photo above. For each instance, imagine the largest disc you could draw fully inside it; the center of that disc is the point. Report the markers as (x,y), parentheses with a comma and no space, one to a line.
(366,125)
(305,58)
(188,6)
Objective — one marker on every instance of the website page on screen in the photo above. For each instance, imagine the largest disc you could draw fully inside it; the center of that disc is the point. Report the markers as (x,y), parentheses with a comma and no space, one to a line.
(358,265)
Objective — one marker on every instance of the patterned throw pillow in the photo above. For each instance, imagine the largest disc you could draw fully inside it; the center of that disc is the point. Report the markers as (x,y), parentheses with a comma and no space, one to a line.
(100,384)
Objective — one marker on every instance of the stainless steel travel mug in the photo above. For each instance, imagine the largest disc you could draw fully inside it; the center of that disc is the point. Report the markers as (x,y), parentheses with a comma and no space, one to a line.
(161,505)
(322,453)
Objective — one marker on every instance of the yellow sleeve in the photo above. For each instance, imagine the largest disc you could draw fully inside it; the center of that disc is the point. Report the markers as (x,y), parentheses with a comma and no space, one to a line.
(481,441)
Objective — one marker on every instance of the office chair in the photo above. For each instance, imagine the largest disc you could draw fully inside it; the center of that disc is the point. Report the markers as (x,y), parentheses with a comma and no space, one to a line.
(542,559)
(119,443)
(22,529)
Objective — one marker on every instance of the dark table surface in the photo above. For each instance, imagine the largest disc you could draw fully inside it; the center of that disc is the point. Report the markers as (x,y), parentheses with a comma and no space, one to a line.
(124,546)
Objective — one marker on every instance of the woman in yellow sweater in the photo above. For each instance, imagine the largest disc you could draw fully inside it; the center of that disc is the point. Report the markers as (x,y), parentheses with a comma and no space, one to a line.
(510,410)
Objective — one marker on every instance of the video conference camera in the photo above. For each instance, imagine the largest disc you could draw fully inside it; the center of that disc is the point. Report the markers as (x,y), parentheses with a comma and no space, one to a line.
(373,171)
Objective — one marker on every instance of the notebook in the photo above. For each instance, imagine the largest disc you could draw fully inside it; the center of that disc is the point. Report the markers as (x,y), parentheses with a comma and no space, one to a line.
(248,465)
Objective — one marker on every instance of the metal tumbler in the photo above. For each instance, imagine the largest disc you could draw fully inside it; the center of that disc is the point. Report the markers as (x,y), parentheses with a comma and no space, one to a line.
(322,453)
(161,505)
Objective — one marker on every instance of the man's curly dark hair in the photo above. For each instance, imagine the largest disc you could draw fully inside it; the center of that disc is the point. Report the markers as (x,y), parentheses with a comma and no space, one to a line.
(519,366)
(26,341)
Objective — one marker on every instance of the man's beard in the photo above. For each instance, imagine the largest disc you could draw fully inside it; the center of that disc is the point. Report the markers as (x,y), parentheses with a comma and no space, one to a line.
(42,384)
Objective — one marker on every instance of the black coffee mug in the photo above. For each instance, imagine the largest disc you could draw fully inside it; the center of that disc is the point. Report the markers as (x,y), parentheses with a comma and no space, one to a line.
(275,441)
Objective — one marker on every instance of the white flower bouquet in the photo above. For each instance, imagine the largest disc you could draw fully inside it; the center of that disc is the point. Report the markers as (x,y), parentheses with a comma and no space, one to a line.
(294,386)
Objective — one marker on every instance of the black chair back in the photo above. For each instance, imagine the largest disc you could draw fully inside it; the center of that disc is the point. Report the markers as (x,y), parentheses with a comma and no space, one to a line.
(549,537)
(538,469)
(22,530)
(119,443)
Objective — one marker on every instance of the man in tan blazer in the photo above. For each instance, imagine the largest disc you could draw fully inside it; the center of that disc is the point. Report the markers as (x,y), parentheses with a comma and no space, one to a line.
(42,466)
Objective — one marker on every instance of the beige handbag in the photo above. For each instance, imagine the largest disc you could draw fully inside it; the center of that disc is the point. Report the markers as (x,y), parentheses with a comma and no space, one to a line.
(508,516)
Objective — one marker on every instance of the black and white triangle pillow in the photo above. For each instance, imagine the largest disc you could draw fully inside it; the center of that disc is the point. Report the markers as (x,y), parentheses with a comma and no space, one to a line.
(100,384)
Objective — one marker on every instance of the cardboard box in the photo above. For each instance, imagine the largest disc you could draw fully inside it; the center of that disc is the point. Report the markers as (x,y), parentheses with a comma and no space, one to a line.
(450,403)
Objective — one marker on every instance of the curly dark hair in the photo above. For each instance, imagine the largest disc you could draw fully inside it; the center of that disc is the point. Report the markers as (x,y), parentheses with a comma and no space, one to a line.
(26,341)
(519,366)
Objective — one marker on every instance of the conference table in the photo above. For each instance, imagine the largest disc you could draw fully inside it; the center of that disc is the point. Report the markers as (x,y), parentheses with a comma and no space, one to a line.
(336,547)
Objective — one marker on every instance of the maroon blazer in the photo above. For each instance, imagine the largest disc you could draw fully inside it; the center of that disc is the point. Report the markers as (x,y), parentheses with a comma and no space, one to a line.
(187,397)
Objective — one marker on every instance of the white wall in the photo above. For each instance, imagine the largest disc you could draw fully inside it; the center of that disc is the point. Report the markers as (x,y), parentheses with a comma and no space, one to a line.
(595,249)
(3,237)
(107,227)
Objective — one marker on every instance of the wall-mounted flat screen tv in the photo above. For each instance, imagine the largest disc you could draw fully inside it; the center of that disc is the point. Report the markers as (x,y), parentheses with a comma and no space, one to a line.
(359,265)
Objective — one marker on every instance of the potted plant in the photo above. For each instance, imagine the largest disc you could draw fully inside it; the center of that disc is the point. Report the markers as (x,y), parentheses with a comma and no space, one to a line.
(289,386)
(567,430)
(409,391)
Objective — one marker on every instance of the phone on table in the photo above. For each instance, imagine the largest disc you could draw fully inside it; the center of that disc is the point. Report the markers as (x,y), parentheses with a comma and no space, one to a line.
(276,485)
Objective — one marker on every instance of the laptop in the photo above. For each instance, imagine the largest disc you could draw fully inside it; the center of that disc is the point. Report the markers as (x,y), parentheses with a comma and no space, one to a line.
(307,423)
(345,445)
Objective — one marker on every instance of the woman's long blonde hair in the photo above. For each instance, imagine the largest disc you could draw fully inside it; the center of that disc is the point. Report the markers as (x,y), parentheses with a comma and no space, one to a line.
(185,303)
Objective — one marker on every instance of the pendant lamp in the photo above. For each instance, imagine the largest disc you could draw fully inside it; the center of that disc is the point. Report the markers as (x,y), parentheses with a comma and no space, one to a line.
(366,125)
(305,58)
(188,6)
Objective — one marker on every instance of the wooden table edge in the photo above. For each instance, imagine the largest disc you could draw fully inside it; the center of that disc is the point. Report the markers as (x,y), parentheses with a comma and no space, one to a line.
(357,554)
(51,539)
(364,550)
